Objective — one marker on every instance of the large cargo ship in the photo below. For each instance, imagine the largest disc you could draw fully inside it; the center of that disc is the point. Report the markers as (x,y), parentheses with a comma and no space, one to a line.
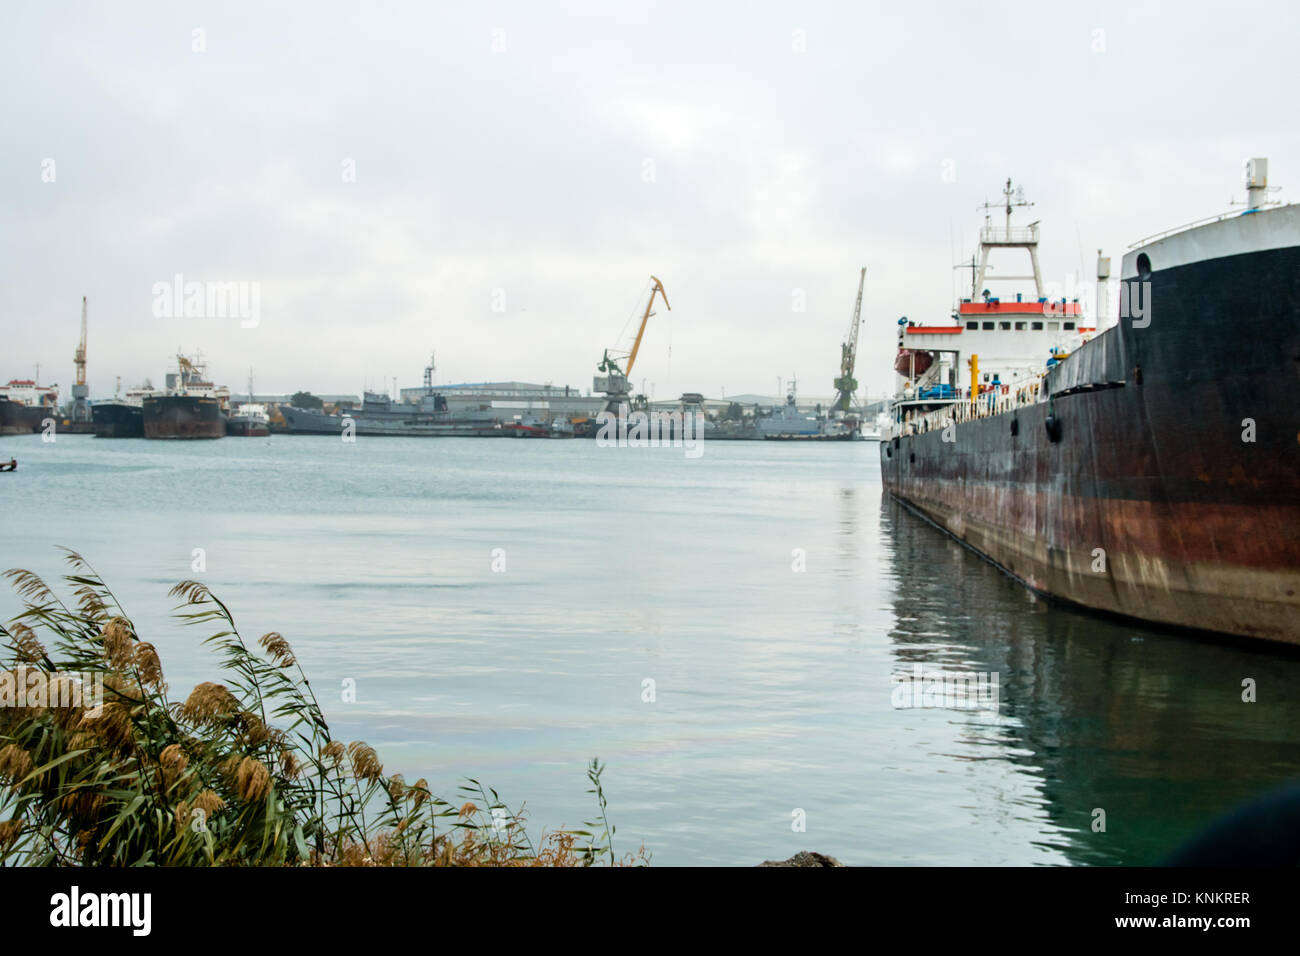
(117,419)
(190,407)
(25,406)
(1150,471)
(120,417)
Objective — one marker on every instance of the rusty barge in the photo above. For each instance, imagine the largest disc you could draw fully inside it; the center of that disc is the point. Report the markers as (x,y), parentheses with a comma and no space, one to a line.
(1151,470)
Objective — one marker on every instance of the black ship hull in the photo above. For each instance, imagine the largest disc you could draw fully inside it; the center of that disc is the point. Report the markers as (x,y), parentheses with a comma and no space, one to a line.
(183,416)
(117,420)
(19,419)
(1160,480)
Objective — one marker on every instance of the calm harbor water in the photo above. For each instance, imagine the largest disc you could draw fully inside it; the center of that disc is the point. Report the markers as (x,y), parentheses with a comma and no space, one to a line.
(771,685)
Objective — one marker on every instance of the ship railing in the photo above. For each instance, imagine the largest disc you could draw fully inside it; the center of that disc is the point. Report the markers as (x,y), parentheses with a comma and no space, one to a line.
(995,235)
(985,406)
(1183,228)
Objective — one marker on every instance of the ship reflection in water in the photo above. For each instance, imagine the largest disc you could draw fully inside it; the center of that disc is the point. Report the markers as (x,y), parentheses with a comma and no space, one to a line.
(1148,728)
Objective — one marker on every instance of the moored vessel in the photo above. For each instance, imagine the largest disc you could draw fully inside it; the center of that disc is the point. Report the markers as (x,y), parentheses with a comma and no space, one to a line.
(26,406)
(190,407)
(120,417)
(788,423)
(249,420)
(380,415)
(117,419)
(1150,471)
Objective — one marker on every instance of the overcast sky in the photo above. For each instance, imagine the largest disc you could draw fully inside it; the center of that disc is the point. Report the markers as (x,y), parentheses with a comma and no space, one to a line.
(549,157)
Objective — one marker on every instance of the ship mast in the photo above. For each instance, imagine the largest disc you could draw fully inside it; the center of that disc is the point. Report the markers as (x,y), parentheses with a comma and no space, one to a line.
(428,373)
(992,238)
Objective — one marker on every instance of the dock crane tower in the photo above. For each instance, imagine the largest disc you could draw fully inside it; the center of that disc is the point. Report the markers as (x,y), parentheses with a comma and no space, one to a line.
(846,384)
(614,383)
(80,393)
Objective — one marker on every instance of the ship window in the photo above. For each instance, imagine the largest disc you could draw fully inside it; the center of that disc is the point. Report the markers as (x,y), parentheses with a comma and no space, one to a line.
(1005,326)
(1038,326)
(1021,326)
(1144,266)
(988,326)
(972,325)
(1069,326)
(1053,326)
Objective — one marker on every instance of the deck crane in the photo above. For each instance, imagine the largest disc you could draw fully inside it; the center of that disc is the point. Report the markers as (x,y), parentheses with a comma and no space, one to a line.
(846,384)
(614,383)
(80,393)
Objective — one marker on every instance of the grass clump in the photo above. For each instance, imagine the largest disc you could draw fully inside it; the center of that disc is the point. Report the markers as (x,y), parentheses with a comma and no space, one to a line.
(240,773)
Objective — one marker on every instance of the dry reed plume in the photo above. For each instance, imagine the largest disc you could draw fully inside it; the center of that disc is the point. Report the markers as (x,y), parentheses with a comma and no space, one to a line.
(243,772)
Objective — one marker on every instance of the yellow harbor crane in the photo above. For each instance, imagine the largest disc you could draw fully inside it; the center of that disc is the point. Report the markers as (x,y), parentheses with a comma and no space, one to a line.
(614,383)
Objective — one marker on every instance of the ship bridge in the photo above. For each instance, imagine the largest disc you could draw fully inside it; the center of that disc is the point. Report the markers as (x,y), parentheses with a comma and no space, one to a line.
(992,342)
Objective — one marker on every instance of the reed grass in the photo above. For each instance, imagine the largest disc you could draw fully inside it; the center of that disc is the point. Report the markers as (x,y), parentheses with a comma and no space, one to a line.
(244,772)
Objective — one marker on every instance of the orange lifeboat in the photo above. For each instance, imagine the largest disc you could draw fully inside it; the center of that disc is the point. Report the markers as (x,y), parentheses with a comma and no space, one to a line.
(903,365)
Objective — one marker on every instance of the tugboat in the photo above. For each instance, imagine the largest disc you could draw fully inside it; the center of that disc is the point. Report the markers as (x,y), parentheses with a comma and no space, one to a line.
(1148,471)
(527,426)
(249,419)
(191,406)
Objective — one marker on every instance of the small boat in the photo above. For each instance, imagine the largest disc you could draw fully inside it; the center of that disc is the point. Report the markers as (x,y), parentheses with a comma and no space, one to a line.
(10,465)
(529,427)
(249,421)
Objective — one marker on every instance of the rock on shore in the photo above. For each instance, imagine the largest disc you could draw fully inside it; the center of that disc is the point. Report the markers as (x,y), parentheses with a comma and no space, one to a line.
(804,858)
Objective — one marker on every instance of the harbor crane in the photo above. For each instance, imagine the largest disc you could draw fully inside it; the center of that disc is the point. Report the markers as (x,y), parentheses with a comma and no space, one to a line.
(80,393)
(846,385)
(614,383)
